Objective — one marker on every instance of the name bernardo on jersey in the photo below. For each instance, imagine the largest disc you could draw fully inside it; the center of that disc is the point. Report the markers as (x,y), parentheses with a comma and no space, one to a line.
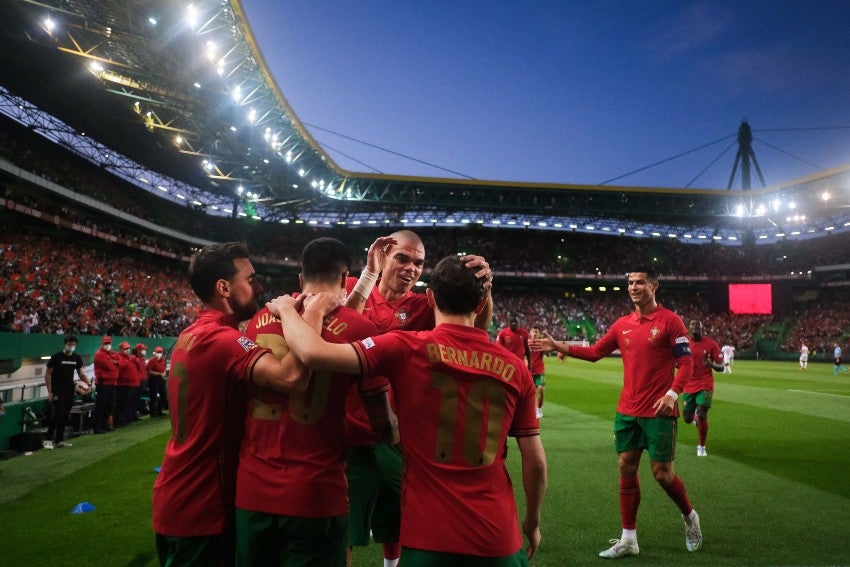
(471,359)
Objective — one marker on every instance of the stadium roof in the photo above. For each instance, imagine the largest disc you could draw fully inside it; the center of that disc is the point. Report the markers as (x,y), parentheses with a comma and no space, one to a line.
(176,97)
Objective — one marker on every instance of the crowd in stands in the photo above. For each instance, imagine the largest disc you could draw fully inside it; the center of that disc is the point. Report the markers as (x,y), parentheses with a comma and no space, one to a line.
(508,250)
(818,326)
(55,285)
(58,286)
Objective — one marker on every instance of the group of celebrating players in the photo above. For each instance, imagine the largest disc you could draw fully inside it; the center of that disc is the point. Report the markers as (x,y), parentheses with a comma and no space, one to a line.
(359,407)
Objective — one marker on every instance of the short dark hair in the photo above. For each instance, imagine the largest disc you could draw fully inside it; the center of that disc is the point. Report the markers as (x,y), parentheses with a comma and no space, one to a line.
(324,260)
(650,272)
(457,290)
(70,339)
(212,263)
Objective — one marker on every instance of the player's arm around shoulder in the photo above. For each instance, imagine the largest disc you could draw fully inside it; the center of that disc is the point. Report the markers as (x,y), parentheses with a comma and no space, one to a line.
(307,344)
(534,482)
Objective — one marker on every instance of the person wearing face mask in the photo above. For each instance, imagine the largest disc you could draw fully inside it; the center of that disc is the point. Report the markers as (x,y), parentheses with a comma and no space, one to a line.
(106,367)
(59,379)
(126,379)
(156,382)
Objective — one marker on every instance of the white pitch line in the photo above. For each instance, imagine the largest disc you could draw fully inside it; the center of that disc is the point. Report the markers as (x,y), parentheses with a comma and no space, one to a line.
(821,393)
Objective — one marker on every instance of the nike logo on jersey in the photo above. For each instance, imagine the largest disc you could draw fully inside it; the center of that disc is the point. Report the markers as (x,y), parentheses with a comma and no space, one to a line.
(627,332)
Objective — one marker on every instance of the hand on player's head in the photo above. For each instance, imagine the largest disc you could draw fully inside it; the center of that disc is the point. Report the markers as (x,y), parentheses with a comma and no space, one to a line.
(473,261)
(278,304)
(323,302)
(376,257)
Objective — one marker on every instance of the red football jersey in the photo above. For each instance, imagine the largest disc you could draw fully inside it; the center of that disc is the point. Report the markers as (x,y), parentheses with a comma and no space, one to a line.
(211,365)
(459,398)
(703,378)
(410,313)
(514,341)
(652,346)
(537,364)
(292,461)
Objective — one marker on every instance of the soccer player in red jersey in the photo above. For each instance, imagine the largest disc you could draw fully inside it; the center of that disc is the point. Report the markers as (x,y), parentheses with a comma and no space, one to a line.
(291,492)
(211,365)
(696,397)
(459,397)
(652,340)
(515,339)
(374,469)
(538,369)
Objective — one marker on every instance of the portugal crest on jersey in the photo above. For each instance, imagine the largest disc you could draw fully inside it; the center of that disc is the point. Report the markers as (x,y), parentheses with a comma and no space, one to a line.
(401,315)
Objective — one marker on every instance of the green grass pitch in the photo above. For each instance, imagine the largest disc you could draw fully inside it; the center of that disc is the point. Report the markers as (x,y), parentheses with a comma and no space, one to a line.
(774,489)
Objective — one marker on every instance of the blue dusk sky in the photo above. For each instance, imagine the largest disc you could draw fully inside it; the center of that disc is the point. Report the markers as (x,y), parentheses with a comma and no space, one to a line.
(566,92)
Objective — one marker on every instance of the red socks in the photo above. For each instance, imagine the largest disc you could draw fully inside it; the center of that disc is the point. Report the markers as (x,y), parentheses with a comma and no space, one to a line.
(629,501)
(392,550)
(702,431)
(676,491)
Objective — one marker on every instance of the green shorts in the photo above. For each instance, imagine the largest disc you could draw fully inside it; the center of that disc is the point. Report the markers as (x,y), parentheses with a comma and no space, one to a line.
(421,558)
(691,401)
(271,539)
(539,380)
(374,493)
(197,551)
(655,434)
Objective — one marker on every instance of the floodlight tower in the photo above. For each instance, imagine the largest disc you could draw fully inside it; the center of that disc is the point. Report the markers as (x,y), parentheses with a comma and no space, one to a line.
(745,153)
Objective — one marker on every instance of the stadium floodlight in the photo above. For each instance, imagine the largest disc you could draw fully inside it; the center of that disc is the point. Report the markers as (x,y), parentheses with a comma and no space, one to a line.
(559,225)
(776,204)
(792,205)
(420,220)
(542,223)
(98,68)
(49,24)
(192,16)
(702,237)
(829,228)
(825,196)
(656,234)
(179,196)
(178,140)
(795,232)
(638,231)
(717,237)
(762,236)
(671,235)
(732,237)
(220,70)
(573,226)
(761,210)
(496,221)
(589,227)
(450,221)
(621,230)
(687,236)
(240,189)
(252,115)
(196,84)
(373,221)
(606,229)
(739,211)
(780,234)
(211,50)
(511,222)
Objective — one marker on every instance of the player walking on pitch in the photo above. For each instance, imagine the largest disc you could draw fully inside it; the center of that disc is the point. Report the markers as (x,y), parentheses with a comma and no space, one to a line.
(696,398)
(652,340)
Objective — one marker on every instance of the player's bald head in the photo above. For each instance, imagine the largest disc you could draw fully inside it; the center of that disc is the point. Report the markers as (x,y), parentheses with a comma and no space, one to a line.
(408,239)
